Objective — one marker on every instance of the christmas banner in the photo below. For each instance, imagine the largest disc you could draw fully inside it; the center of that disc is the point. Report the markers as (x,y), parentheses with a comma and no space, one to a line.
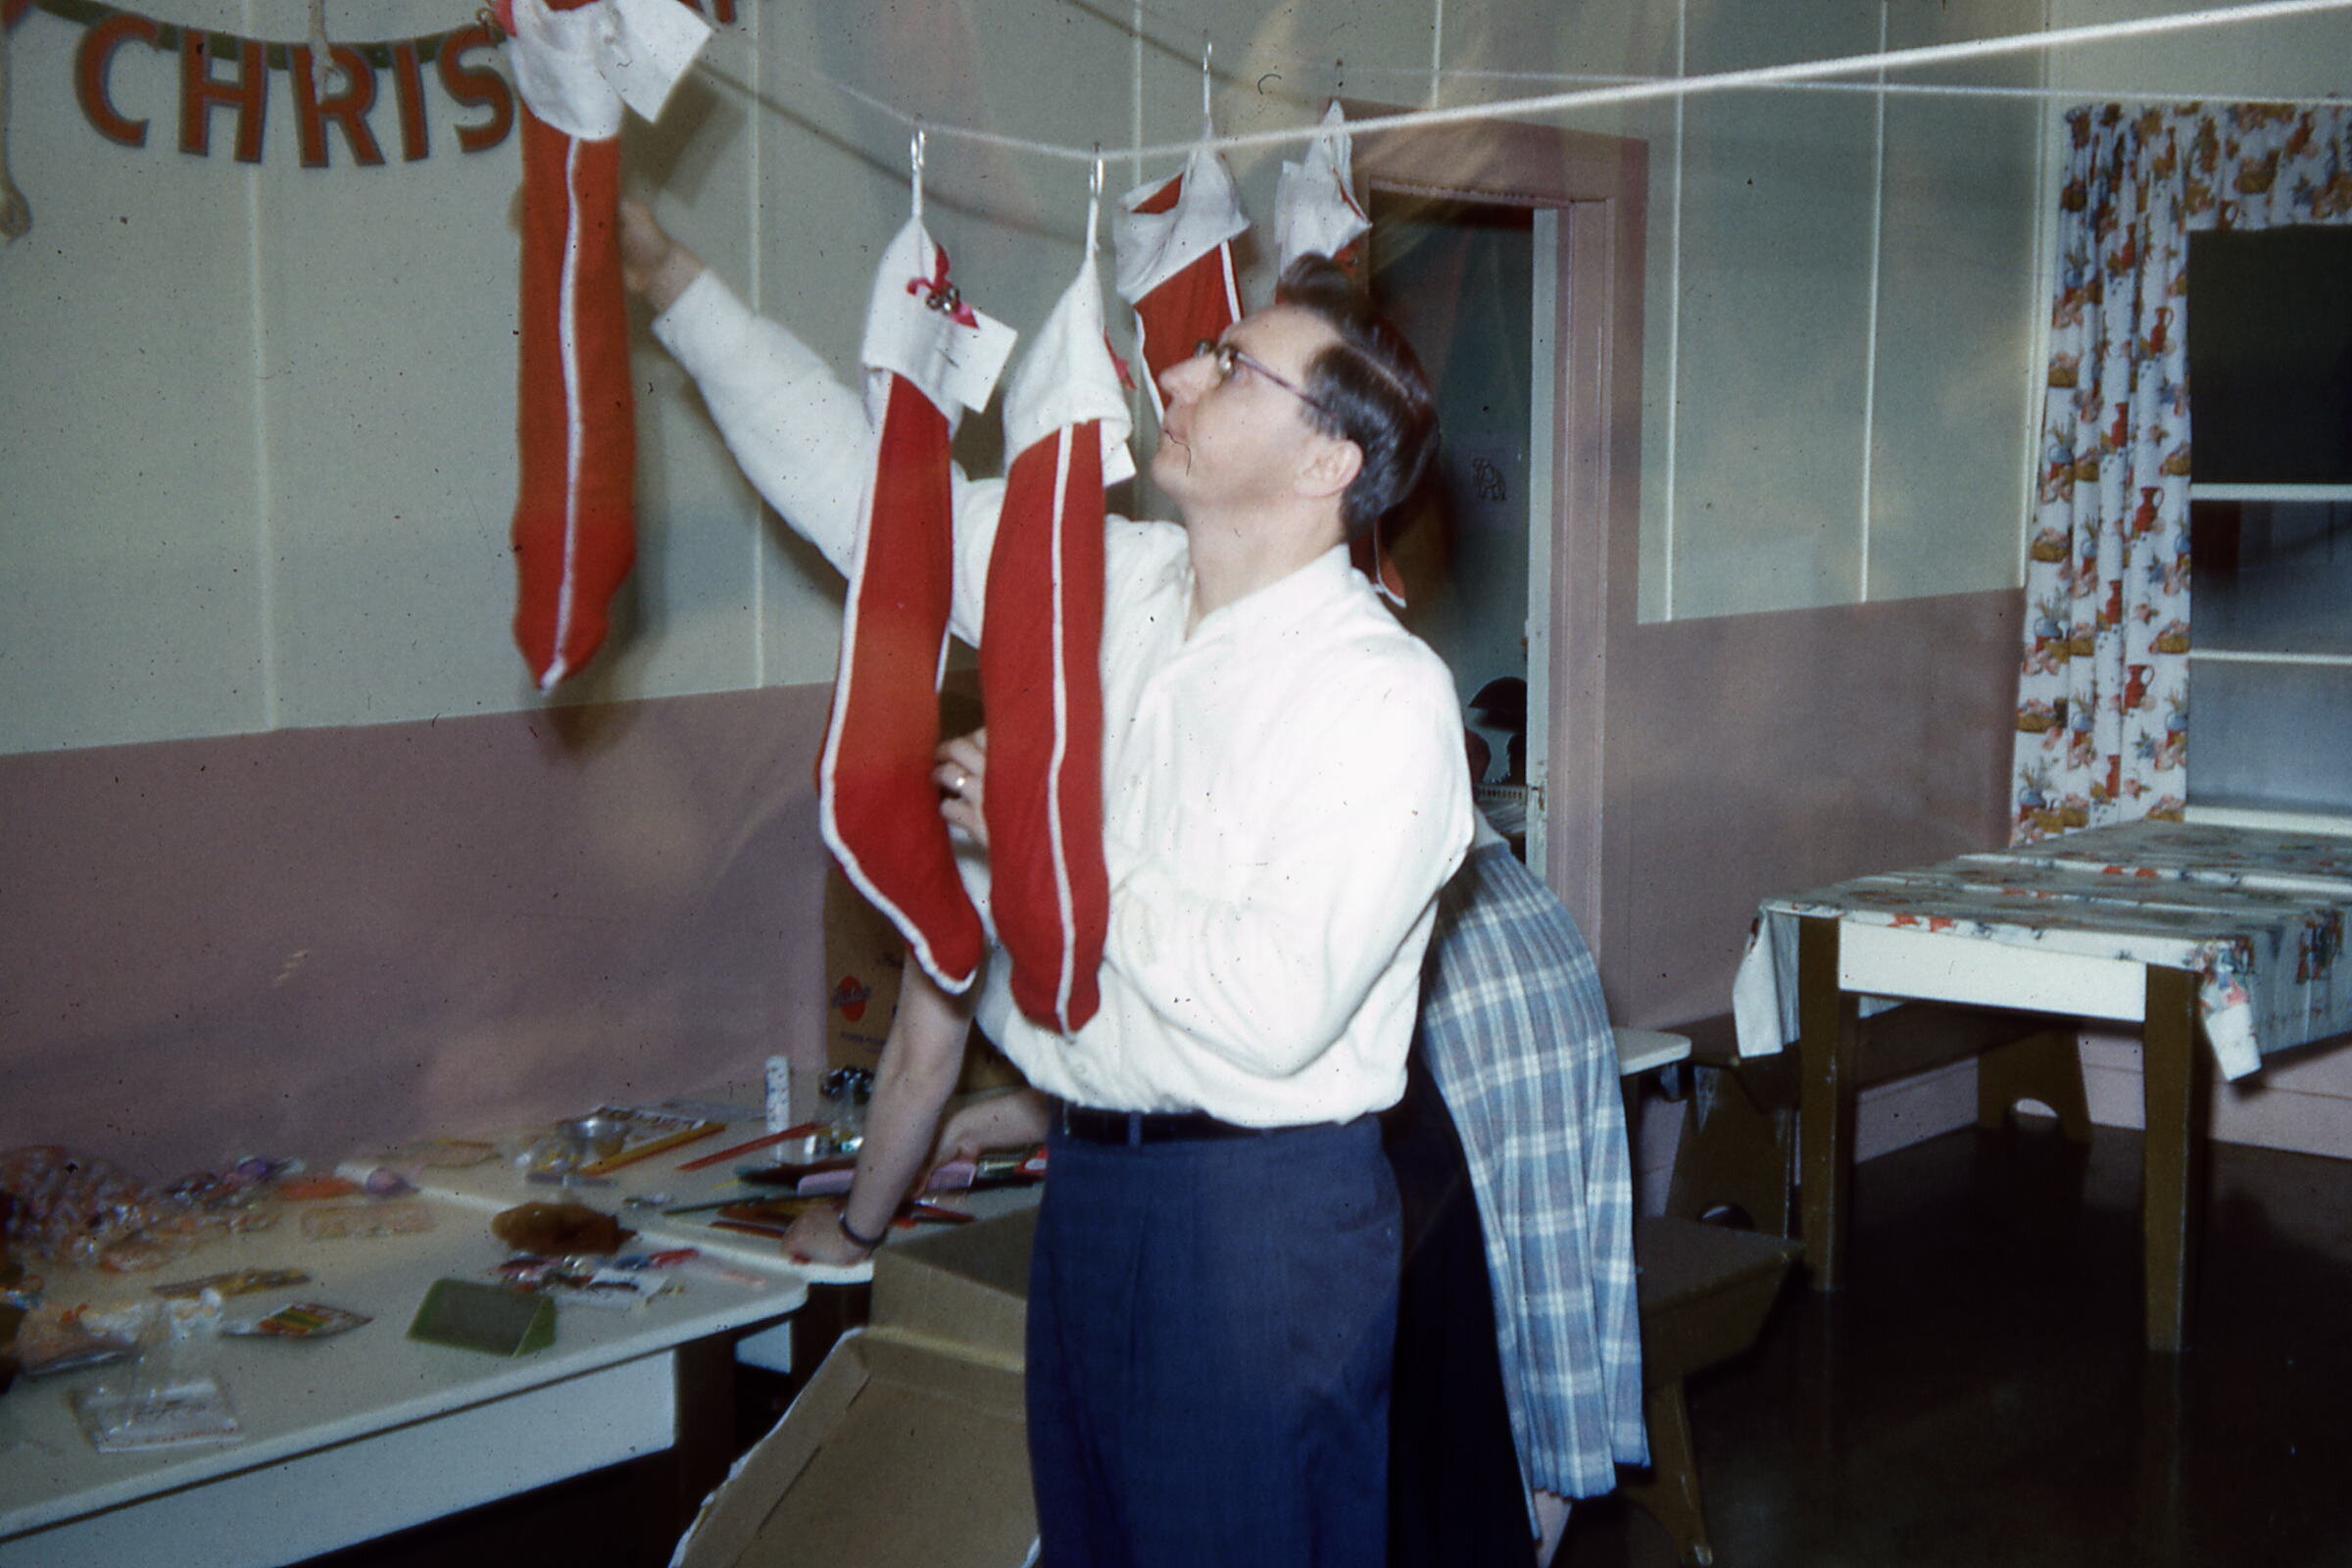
(361,105)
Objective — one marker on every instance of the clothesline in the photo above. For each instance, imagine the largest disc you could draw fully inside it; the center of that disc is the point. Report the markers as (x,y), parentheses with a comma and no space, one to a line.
(1809,72)
(1919,89)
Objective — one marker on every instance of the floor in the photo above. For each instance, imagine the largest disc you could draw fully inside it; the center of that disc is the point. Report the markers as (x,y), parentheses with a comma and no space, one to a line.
(1975,1397)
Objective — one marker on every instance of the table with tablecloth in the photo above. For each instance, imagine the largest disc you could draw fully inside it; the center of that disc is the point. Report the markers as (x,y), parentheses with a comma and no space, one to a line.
(2233,936)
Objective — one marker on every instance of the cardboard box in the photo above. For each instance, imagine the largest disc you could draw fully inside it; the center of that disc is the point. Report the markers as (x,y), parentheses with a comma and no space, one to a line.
(908,1449)
(864,957)
(965,1288)
(865,961)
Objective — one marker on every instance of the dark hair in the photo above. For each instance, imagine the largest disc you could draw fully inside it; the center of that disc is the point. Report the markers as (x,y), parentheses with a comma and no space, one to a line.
(1367,388)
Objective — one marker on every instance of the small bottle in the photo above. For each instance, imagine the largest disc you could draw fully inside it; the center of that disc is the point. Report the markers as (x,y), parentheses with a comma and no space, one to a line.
(844,1092)
(779,1093)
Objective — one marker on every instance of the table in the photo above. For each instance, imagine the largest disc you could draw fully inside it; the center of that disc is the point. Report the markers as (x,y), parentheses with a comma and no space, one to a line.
(2233,934)
(369,1432)
(630,1191)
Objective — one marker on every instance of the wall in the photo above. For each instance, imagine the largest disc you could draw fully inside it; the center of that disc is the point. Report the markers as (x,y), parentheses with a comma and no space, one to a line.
(1733,790)
(1846,309)
(259,463)
(264,410)
(325,939)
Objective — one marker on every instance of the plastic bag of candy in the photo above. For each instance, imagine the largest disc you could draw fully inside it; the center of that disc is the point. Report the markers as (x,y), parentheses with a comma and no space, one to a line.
(74,1211)
(77,1209)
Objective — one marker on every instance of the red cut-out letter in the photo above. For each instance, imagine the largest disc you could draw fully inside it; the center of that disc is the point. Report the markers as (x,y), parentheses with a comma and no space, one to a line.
(348,108)
(91,64)
(248,92)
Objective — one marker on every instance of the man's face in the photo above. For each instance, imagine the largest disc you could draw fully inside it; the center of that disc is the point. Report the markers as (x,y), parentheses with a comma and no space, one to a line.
(1238,438)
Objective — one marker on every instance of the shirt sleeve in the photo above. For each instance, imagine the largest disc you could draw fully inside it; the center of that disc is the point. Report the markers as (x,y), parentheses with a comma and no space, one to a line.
(1368,816)
(802,437)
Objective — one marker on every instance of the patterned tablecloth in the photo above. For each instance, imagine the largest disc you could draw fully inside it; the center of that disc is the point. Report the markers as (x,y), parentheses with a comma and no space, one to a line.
(2259,918)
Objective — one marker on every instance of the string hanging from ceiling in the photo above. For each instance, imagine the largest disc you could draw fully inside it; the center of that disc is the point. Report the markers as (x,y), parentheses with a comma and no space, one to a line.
(1605,93)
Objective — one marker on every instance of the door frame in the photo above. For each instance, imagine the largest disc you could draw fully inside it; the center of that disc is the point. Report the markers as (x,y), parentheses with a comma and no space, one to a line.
(1599,185)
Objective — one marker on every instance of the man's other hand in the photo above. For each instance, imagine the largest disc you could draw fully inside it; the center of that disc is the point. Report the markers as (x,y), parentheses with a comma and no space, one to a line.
(962,769)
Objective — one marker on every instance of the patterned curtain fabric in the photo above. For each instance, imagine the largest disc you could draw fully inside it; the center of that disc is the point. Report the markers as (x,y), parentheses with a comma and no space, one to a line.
(2102,701)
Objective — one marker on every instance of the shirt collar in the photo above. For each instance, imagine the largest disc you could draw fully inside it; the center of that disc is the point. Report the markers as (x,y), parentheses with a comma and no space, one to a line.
(1291,600)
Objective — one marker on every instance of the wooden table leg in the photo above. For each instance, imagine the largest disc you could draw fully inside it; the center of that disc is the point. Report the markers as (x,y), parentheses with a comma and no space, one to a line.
(1830,1038)
(706,1437)
(2177,1086)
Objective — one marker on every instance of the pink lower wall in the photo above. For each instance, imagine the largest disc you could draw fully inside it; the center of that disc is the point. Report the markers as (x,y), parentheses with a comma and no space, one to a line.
(1755,754)
(316,940)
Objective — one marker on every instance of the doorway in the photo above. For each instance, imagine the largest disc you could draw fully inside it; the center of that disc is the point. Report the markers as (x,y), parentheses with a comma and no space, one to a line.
(1584,196)
(1469,282)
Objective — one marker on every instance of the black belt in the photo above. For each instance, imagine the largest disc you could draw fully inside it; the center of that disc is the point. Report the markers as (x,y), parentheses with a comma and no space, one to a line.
(1132,1128)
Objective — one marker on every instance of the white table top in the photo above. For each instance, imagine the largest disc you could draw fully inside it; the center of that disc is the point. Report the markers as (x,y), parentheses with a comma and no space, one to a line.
(294,1397)
(1643,1050)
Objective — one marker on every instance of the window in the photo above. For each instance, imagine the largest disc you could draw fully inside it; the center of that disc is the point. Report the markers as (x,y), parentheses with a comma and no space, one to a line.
(2269,351)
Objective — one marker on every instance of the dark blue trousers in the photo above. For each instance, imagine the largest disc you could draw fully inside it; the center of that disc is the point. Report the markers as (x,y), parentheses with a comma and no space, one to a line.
(1210,1331)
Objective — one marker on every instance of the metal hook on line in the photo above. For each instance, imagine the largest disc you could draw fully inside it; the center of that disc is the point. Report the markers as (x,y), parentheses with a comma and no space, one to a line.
(914,157)
(1094,206)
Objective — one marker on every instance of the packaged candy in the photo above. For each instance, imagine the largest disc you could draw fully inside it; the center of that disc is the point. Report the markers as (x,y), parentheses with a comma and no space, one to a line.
(54,1341)
(71,1211)
(237,1282)
(90,1212)
(402,1216)
(177,1413)
(298,1320)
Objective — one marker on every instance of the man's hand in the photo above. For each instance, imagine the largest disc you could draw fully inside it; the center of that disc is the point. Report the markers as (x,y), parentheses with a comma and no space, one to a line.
(653,265)
(962,769)
(817,1236)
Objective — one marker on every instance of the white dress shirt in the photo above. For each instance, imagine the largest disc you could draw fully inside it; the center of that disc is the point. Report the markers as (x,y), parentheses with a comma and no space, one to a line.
(1284,790)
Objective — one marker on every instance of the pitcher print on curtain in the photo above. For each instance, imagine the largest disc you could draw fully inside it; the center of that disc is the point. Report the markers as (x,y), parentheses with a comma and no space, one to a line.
(2102,712)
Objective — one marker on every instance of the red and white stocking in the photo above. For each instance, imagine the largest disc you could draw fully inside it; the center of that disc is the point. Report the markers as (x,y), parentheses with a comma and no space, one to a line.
(1174,244)
(1315,209)
(926,353)
(1041,672)
(576,64)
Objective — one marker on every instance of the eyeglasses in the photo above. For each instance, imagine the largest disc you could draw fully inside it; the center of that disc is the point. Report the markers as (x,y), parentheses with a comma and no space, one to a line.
(1226,357)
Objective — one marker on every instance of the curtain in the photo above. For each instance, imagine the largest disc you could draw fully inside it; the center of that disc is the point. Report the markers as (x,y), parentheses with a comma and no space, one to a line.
(2102,707)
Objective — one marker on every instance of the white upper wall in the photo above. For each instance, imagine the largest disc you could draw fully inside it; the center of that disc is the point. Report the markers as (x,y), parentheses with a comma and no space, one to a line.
(258,455)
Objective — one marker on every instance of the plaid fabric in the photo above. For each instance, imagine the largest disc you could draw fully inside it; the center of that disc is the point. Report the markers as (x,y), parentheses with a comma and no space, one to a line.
(1517,1037)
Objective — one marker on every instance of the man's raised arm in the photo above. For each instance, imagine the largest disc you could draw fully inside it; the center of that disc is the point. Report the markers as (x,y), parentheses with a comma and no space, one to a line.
(800,435)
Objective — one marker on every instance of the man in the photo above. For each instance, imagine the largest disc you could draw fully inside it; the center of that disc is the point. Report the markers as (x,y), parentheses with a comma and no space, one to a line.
(1518,1366)
(1214,1291)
